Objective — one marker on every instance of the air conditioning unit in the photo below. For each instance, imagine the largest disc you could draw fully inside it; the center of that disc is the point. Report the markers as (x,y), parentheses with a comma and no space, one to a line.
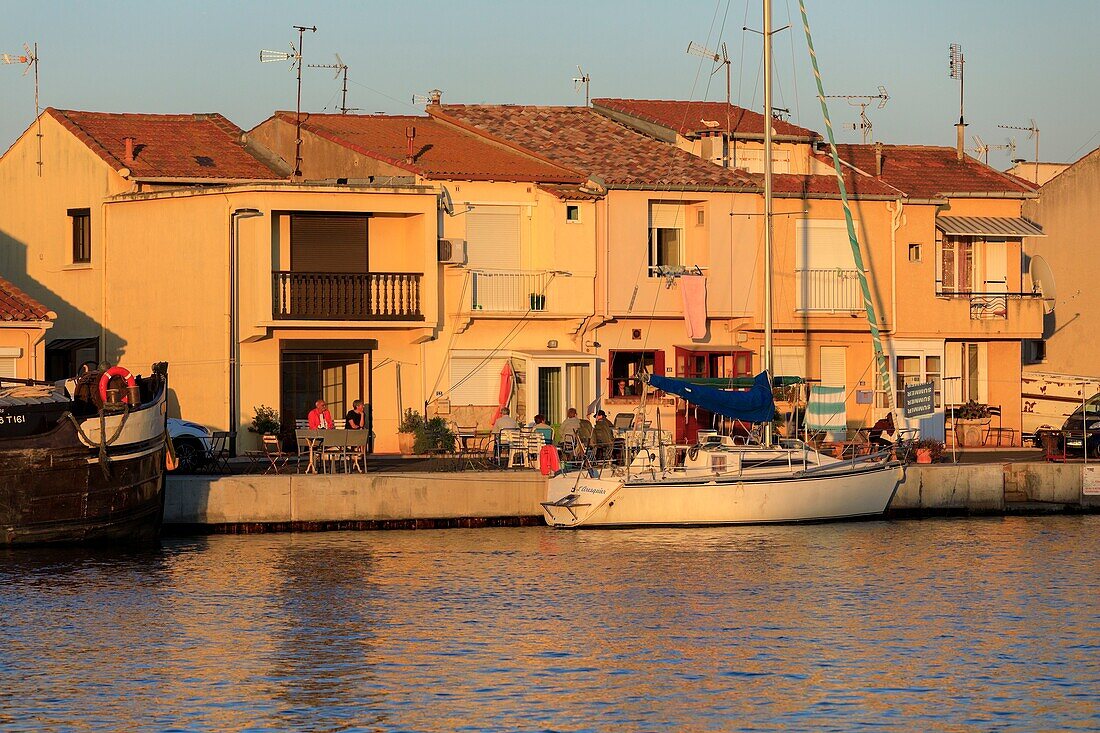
(452,251)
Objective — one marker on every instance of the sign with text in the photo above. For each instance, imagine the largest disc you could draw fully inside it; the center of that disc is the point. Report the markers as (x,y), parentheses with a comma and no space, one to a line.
(1090,480)
(920,399)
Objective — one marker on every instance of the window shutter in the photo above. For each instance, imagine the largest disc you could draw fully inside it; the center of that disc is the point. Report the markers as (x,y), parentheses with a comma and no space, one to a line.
(824,245)
(475,381)
(7,367)
(328,244)
(666,216)
(834,365)
(492,238)
(790,361)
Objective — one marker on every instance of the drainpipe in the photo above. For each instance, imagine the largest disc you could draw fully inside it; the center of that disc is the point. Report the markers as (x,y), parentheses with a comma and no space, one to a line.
(234,341)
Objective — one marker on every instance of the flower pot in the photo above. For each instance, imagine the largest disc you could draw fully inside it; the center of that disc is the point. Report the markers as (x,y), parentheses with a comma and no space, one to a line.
(406,442)
(970,433)
(924,455)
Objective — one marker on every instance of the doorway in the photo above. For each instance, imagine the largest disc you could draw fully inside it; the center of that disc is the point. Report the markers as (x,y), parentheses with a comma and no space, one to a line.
(338,378)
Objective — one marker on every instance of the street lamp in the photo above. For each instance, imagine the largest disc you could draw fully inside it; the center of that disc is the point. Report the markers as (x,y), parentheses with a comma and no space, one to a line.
(234,341)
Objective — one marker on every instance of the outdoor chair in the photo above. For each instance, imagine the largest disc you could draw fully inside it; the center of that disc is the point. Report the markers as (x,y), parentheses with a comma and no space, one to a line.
(624,421)
(1000,432)
(216,455)
(475,451)
(513,447)
(276,456)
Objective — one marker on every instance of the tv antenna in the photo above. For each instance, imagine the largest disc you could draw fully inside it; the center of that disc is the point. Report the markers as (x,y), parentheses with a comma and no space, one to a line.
(29,58)
(432,97)
(720,58)
(582,78)
(341,68)
(295,57)
(982,148)
(955,63)
(863,101)
(1032,131)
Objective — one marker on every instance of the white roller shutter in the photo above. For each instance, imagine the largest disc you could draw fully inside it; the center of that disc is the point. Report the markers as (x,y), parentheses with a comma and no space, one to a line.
(823,245)
(834,366)
(790,361)
(475,381)
(666,215)
(492,238)
(9,359)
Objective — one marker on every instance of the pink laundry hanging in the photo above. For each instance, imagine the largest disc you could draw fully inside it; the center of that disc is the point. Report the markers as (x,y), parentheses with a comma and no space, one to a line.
(693,288)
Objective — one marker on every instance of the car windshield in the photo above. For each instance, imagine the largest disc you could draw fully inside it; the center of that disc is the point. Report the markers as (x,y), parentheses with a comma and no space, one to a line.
(1090,408)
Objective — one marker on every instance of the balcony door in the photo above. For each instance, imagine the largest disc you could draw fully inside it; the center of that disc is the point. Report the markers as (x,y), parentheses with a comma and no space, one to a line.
(826,275)
(328,244)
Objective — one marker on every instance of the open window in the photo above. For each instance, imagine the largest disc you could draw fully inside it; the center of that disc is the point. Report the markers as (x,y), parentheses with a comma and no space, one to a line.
(625,366)
(666,236)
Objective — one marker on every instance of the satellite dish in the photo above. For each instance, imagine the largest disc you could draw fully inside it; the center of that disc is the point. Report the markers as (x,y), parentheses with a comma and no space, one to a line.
(1042,278)
(446,203)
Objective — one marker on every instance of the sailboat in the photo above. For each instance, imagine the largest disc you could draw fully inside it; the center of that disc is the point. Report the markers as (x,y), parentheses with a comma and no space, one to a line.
(724,479)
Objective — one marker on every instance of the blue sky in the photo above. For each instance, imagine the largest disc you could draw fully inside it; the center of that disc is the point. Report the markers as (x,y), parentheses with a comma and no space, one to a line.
(1024,59)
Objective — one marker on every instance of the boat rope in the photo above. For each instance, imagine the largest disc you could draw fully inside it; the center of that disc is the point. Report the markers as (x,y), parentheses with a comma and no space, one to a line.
(104,442)
(857,255)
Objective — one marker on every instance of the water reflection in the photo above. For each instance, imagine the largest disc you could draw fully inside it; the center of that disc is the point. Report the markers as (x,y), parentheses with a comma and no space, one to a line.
(910,625)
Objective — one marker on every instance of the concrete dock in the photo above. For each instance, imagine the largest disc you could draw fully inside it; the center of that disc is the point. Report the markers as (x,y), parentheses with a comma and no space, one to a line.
(296,502)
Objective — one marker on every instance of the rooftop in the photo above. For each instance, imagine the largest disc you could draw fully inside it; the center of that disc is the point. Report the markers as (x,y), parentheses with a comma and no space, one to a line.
(15,305)
(926,171)
(691,118)
(584,140)
(440,151)
(183,147)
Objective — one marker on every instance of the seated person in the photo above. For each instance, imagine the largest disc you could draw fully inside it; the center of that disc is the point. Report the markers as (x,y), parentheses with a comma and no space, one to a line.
(504,422)
(584,437)
(568,427)
(355,419)
(881,433)
(542,427)
(319,417)
(603,434)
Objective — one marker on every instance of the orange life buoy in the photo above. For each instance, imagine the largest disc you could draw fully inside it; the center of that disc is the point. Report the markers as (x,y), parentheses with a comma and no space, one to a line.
(115,371)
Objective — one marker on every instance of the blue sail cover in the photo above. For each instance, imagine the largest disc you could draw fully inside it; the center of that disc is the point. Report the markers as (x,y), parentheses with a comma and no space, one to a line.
(754,405)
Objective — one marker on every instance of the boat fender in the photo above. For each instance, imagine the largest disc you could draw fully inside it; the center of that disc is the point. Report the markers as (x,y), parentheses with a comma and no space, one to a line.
(116,371)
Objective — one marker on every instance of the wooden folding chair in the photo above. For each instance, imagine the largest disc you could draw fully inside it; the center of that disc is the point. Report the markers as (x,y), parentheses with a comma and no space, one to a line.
(276,456)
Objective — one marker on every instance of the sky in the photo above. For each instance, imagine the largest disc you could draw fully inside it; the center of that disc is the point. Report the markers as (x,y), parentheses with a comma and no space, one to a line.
(1024,60)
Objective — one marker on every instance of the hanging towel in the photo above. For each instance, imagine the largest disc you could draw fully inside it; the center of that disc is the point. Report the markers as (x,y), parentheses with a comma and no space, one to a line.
(549,464)
(694,290)
(826,411)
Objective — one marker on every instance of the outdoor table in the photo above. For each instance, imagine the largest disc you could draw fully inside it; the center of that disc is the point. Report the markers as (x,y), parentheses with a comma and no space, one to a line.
(331,439)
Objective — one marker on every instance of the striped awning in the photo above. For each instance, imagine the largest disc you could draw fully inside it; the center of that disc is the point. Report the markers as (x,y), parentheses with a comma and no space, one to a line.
(988,226)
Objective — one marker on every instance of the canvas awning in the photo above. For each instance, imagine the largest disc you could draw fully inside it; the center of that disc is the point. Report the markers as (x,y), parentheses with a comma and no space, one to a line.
(90,342)
(988,226)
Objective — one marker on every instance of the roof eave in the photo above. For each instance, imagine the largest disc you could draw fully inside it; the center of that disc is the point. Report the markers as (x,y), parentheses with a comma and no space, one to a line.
(990,194)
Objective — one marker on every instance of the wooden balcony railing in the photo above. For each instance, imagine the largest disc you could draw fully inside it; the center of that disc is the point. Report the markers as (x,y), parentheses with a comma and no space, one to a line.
(346,296)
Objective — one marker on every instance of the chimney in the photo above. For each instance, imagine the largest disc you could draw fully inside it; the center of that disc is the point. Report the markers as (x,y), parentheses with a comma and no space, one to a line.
(960,139)
(128,157)
(410,135)
(878,159)
(435,96)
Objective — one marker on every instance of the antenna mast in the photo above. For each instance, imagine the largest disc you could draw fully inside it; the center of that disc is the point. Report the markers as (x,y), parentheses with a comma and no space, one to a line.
(582,78)
(863,101)
(720,59)
(30,58)
(956,62)
(1032,132)
(341,68)
(296,57)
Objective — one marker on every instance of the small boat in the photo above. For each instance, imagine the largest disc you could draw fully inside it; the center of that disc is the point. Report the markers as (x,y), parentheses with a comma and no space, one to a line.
(83,460)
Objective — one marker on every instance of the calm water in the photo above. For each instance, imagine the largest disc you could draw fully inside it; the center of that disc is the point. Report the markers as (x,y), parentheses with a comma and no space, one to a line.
(947,625)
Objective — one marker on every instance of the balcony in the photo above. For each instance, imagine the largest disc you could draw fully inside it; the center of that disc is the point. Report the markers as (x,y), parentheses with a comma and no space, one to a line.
(828,291)
(346,296)
(988,306)
(506,291)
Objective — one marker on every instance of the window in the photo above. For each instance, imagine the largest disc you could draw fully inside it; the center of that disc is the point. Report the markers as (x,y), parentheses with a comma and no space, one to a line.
(700,217)
(493,238)
(9,359)
(475,380)
(328,243)
(666,236)
(1035,351)
(956,265)
(713,364)
(912,368)
(82,235)
(914,253)
(625,367)
(572,213)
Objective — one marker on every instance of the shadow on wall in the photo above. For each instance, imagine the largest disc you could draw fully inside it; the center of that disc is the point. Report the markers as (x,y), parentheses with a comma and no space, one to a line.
(71,321)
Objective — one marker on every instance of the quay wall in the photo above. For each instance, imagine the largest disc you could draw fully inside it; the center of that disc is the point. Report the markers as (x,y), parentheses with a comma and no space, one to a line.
(421,500)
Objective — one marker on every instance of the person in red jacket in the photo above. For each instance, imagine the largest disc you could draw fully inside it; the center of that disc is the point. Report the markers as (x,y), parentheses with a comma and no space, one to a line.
(319,417)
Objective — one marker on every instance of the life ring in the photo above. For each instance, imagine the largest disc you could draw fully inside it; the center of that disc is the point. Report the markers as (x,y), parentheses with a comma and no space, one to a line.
(115,371)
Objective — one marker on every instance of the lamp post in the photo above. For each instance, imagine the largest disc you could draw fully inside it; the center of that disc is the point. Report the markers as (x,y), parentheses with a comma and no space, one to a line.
(234,342)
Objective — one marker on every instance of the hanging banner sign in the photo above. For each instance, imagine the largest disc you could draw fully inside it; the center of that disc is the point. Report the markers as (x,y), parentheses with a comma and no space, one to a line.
(920,400)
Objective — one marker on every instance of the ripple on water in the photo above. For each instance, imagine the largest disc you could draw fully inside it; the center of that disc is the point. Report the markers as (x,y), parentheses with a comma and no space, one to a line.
(909,625)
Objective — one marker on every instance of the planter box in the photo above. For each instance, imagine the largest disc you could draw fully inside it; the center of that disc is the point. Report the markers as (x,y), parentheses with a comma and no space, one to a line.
(970,433)
(405,443)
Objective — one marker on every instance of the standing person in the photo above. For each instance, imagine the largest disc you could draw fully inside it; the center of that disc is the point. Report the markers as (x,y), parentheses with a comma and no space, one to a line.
(355,419)
(319,417)
(568,428)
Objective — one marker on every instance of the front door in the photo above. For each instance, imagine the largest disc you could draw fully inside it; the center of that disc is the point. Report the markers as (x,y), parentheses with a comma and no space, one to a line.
(705,365)
(550,394)
(338,379)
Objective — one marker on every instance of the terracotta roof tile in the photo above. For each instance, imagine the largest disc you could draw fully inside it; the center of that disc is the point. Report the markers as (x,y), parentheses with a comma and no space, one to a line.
(581,139)
(690,118)
(570,193)
(185,147)
(440,151)
(855,183)
(15,305)
(925,171)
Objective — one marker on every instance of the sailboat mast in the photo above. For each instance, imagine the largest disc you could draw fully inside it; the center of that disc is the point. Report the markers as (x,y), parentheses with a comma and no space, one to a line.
(768,347)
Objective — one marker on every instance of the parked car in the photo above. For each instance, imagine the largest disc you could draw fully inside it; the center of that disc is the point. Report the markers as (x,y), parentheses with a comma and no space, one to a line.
(1082,429)
(191,443)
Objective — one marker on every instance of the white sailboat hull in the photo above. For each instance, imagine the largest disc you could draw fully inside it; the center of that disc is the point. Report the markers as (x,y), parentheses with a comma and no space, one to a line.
(612,502)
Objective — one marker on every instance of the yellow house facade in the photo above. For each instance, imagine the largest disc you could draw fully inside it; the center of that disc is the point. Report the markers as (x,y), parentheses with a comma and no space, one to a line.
(24,323)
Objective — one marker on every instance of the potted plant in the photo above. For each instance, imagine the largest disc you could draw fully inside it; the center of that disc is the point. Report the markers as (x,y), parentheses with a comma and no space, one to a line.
(266,421)
(929,450)
(970,423)
(434,436)
(412,422)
